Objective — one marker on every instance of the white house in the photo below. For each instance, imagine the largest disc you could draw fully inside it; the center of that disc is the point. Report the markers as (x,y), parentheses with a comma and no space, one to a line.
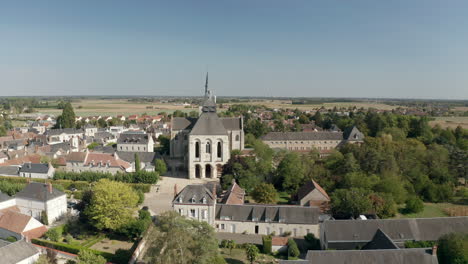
(135,142)
(37,170)
(19,252)
(37,198)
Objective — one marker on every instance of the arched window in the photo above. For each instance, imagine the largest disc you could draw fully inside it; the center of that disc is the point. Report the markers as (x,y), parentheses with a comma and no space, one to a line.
(208,147)
(197,149)
(219,150)
(237,138)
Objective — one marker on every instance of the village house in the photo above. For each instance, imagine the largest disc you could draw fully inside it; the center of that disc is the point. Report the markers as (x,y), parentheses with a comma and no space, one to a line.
(312,194)
(19,252)
(135,142)
(39,198)
(146,159)
(351,234)
(23,225)
(37,170)
(201,202)
(323,141)
(71,135)
(97,162)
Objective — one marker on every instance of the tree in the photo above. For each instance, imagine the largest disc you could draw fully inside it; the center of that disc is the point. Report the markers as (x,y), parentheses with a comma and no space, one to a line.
(177,239)
(164,144)
(231,245)
(67,118)
(318,119)
(414,205)
(88,257)
(44,218)
(112,205)
(256,128)
(137,162)
(293,250)
(452,249)
(290,172)
(160,166)
(265,193)
(54,234)
(350,202)
(251,252)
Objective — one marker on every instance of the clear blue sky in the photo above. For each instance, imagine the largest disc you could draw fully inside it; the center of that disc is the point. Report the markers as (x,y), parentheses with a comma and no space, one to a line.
(328,48)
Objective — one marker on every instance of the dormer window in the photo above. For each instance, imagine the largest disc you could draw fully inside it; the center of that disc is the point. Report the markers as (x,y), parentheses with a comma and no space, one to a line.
(180,199)
(204,200)
(192,200)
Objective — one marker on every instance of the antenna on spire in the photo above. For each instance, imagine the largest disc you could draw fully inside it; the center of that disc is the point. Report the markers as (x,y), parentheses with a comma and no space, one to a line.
(206,86)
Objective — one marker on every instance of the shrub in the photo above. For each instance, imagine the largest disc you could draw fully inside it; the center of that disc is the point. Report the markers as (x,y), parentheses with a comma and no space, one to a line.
(267,244)
(313,243)
(44,218)
(11,239)
(160,166)
(293,250)
(54,234)
(414,205)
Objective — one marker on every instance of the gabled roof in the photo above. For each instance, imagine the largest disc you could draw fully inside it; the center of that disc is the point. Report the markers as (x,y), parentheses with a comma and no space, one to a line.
(76,156)
(235,194)
(353,134)
(268,213)
(197,192)
(54,132)
(35,168)
(16,252)
(133,138)
(13,221)
(208,124)
(104,159)
(145,157)
(9,170)
(232,123)
(384,256)
(39,191)
(380,241)
(308,187)
(316,135)
(419,229)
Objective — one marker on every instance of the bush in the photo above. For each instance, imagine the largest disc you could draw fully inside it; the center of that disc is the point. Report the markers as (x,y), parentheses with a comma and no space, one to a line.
(74,249)
(11,239)
(54,234)
(267,244)
(44,218)
(414,205)
(419,244)
(293,250)
(160,166)
(313,243)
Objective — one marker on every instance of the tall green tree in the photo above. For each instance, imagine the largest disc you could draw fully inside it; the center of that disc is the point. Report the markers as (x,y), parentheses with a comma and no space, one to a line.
(112,205)
(67,118)
(453,249)
(265,193)
(160,166)
(290,172)
(137,162)
(350,202)
(177,239)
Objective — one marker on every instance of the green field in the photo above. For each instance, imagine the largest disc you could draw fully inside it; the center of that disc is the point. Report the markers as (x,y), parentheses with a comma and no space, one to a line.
(431,210)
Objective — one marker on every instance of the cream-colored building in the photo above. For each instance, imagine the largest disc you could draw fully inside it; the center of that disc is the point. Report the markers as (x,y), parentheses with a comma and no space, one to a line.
(201,146)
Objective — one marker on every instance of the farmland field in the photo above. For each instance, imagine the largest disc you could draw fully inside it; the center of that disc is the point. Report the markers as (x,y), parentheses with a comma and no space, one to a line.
(113,107)
(452,122)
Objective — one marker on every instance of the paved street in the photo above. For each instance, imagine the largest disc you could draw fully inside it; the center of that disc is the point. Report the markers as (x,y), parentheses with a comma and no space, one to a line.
(159,199)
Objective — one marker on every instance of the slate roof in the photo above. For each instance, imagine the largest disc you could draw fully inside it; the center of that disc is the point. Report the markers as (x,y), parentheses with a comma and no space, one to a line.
(145,157)
(60,146)
(197,192)
(419,229)
(53,132)
(38,191)
(9,170)
(353,134)
(34,168)
(232,123)
(16,252)
(268,213)
(133,138)
(4,197)
(387,256)
(380,241)
(208,124)
(316,135)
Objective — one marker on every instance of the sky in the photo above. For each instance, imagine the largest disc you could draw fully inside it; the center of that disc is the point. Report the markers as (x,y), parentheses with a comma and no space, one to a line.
(287,48)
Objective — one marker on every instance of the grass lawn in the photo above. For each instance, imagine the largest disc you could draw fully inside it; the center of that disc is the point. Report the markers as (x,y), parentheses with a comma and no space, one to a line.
(111,246)
(430,210)
(238,257)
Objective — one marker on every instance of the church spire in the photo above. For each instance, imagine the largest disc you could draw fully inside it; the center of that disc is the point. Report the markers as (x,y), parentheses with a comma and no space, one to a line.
(207,92)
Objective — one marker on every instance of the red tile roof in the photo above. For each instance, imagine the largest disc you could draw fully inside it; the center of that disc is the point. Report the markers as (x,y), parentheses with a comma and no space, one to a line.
(104,158)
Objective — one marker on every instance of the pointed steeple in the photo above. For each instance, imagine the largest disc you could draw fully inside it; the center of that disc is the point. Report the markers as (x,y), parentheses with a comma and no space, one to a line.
(207,92)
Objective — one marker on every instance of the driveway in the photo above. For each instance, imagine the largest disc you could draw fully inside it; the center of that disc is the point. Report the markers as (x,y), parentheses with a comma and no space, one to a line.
(160,197)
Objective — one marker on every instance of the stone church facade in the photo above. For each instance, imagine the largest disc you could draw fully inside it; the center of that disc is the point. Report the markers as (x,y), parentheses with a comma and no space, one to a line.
(201,146)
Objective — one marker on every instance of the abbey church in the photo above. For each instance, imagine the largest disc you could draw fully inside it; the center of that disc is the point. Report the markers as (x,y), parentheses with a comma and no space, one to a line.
(201,146)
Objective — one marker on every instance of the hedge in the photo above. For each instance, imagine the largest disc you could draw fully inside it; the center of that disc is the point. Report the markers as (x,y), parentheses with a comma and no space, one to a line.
(70,248)
(90,176)
(267,244)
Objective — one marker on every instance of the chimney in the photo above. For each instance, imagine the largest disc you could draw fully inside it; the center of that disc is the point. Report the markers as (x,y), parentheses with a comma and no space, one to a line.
(214,190)
(49,187)
(175,190)
(434,250)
